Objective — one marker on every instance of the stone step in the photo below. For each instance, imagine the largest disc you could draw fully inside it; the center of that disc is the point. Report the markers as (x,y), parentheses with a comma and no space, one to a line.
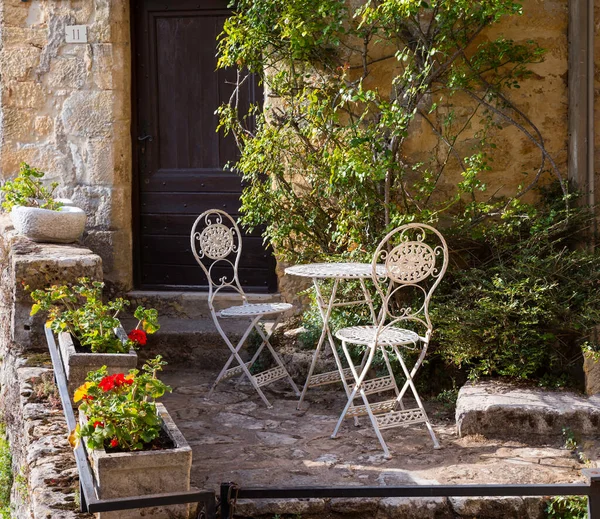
(191,305)
(192,341)
(501,410)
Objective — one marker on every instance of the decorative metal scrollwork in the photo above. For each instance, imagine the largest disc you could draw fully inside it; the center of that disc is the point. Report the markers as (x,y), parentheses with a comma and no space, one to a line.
(216,241)
(410,262)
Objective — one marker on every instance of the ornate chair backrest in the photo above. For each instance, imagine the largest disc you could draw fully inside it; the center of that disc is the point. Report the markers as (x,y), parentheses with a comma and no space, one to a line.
(216,243)
(415,258)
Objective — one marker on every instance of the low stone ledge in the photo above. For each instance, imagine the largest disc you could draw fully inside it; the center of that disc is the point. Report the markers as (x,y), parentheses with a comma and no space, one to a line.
(47,481)
(499,410)
(37,265)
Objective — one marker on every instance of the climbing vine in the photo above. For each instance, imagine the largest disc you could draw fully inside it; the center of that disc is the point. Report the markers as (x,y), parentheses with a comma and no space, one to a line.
(331,163)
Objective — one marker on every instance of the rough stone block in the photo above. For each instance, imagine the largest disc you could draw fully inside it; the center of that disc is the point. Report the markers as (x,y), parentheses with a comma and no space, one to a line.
(16,63)
(97,203)
(591,369)
(67,72)
(414,508)
(18,125)
(88,114)
(99,162)
(498,410)
(27,94)
(499,507)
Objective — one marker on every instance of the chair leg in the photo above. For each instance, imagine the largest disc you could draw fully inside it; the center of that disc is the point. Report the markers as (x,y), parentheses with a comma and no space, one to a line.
(409,381)
(413,372)
(232,348)
(386,451)
(358,380)
(235,356)
(266,342)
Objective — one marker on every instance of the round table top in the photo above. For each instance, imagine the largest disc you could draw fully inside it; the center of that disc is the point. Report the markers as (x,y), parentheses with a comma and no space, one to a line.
(334,270)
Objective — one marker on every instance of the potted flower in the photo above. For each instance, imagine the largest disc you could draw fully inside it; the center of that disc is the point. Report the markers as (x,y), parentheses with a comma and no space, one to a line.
(36,214)
(90,334)
(133,445)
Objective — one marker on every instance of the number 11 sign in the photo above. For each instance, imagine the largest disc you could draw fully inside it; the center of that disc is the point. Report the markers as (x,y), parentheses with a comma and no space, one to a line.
(76,34)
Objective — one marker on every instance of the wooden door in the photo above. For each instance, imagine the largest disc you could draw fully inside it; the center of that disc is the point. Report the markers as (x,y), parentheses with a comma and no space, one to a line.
(179,156)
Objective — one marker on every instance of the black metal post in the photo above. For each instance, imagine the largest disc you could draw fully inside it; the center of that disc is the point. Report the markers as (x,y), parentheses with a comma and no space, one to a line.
(593,477)
(82,503)
(209,509)
(226,508)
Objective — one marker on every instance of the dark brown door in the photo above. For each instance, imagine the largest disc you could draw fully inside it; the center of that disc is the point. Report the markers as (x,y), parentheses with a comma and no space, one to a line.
(179,155)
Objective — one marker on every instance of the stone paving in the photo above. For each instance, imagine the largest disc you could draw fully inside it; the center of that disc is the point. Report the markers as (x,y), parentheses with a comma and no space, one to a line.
(236,438)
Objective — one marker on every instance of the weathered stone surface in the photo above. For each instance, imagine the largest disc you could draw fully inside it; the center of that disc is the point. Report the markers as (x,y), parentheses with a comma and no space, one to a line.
(17,63)
(499,410)
(68,72)
(591,369)
(270,507)
(23,95)
(43,225)
(88,114)
(414,508)
(499,507)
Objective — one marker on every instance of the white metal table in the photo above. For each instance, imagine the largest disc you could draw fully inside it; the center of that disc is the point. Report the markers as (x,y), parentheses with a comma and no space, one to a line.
(337,272)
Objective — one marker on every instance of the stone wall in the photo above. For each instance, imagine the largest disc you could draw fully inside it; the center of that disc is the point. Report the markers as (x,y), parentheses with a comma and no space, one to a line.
(65,109)
(43,464)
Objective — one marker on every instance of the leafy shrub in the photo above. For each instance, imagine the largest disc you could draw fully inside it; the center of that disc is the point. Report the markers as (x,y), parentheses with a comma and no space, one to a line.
(567,507)
(27,190)
(520,299)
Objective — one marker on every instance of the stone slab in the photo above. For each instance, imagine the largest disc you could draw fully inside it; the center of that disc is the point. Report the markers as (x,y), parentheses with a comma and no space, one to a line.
(499,410)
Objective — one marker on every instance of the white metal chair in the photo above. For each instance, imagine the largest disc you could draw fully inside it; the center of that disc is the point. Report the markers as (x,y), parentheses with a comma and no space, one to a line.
(415,258)
(216,243)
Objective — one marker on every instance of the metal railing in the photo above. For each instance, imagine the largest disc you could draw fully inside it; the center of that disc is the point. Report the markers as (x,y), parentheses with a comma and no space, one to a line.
(88,496)
(231,492)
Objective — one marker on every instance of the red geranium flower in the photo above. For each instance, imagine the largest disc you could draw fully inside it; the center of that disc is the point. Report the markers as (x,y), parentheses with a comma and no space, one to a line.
(138,336)
(98,424)
(107,383)
(114,443)
(119,379)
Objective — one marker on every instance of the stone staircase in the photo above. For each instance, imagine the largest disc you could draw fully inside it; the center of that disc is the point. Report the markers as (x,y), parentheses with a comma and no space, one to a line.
(188,334)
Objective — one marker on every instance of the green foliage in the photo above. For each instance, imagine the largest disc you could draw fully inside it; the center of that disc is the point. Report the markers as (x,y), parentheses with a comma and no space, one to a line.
(519,299)
(120,409)
(567,507)
(6,475)
(328,166)
(27,190)
(79,310)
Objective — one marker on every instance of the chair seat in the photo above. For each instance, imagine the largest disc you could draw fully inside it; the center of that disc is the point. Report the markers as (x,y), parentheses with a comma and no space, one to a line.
(366,335)
(252,310)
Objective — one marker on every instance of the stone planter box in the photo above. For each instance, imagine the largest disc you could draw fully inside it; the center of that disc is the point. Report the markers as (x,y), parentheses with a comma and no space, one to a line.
(42,225)
(130,474)
(78,365)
